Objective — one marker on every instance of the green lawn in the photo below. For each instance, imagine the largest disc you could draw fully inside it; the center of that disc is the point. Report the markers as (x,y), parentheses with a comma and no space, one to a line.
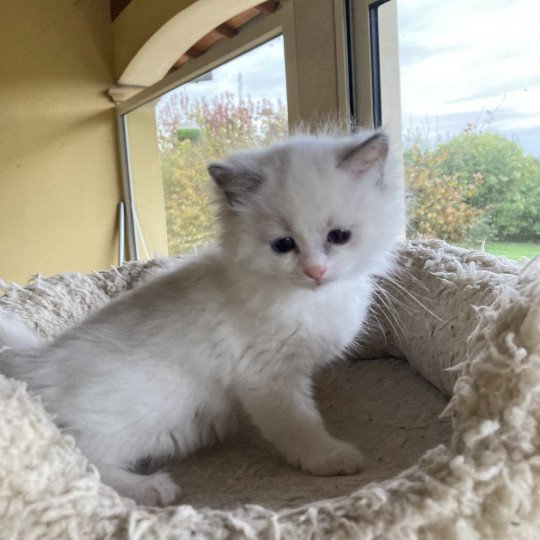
(512,250)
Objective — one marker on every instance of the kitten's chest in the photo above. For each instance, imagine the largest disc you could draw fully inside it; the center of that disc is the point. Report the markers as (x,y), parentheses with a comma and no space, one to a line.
(331,323)
(319,325)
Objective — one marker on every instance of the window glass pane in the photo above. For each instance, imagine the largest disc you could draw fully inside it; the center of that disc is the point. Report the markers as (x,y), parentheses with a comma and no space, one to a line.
(239,104)
(470,117)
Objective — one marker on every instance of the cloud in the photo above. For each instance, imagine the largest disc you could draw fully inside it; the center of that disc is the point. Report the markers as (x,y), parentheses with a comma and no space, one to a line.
(460,59)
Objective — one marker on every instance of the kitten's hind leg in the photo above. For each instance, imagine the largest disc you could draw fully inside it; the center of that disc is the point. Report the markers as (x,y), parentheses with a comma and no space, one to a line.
(157,489)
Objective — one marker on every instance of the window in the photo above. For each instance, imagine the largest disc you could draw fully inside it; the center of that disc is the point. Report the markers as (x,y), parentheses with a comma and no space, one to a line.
(469,80)
(241,103)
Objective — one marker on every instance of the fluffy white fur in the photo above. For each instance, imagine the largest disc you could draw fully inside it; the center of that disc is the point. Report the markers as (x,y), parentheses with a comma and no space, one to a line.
(161,370)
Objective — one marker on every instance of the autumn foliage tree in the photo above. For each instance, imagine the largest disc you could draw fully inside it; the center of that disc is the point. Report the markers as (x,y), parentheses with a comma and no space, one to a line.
(437,203)
(193,132)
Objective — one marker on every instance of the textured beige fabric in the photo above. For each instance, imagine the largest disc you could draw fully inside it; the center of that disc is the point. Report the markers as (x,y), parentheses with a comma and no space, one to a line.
(474,474)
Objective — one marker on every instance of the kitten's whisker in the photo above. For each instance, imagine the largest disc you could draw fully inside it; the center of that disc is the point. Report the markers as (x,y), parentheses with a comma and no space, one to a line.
(405,274)
(413,297)
(387,305)
(391,309)
(418,281)
(373,312)
(395,300)
(397,277)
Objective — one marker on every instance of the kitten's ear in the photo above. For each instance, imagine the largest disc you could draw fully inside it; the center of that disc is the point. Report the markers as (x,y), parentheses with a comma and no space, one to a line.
(236,184)
(362,157)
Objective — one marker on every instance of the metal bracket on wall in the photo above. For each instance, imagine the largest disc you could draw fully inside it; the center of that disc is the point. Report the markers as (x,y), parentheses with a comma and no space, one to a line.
(119,94)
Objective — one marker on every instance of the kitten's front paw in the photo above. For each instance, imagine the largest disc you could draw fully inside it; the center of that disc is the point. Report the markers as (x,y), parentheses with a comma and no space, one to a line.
(340,459)
(157,489)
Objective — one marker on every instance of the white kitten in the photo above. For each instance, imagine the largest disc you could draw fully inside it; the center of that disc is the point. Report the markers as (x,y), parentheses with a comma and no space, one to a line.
(160,370)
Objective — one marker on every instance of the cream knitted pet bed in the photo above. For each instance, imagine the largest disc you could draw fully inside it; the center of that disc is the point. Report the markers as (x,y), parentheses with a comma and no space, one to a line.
(473,474)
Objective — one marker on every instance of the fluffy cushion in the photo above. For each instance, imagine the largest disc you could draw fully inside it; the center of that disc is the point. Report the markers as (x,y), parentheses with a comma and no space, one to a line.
(444,308)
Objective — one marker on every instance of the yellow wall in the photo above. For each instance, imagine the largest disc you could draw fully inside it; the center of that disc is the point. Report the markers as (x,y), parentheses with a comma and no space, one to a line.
(59,178)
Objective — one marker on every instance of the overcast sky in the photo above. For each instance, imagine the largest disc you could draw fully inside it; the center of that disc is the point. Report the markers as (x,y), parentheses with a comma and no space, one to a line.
(459,59)
(462,58)
(262,72)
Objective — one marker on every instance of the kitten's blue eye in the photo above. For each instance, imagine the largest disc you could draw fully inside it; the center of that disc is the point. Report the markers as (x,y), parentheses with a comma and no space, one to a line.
(339,236)
(282,245)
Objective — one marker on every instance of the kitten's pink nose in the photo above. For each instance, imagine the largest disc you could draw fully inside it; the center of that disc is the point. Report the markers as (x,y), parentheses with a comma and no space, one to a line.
(315,272)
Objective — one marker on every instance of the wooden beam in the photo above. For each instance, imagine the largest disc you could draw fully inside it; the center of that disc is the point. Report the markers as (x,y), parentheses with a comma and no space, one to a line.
(225,30)
(180,62)
(242,18)
(267,8)
(193,53)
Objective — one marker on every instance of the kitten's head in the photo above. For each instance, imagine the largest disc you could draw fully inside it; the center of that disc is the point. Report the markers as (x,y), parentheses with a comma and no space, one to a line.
(310,211)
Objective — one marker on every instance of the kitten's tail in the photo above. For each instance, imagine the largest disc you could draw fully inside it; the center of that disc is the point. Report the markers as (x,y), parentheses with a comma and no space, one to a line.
(16,335)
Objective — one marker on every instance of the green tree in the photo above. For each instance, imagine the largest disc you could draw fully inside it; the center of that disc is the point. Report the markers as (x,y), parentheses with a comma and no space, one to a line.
(509,192)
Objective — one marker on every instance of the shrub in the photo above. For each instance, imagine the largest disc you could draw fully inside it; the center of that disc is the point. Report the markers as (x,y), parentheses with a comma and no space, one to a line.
(437,202)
